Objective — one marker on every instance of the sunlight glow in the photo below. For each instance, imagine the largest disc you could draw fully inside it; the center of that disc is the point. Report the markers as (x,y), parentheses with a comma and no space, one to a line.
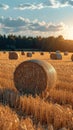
(68,32)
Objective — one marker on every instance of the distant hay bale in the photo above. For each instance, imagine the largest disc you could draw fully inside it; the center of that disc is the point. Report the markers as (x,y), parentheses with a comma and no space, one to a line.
(66,53)
(4,52)
(57,51)
(13,56)
(33,52)
(56,56)
(53,56)
(41,53)
(22,53)
(29,54)
(34,76)
(72,57)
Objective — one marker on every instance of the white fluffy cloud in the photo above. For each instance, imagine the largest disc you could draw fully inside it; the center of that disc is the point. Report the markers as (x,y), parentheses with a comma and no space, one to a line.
(61,3)
(21,23)
(4,6)
(29,6)
(45,4)
(40,5)
(14,22)
(26,27)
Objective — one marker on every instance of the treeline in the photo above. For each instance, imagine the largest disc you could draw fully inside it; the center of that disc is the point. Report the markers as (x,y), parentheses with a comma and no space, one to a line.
(12,42)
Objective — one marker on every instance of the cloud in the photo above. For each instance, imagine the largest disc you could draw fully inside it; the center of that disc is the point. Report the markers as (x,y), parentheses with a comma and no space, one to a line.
(23,26)
(29,6)
(12,22)
(4,6)
(45,4)
(60,3)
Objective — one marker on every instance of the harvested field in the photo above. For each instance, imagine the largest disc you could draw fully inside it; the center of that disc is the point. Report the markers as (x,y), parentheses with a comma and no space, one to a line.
(52,109)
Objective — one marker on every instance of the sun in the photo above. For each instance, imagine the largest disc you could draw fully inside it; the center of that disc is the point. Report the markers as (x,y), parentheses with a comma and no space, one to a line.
(69,33)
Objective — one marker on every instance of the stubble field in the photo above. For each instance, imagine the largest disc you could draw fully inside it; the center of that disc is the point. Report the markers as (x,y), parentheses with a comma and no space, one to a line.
(51,110)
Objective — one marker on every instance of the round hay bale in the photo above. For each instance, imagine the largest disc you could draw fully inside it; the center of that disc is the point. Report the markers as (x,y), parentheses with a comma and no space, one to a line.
(59,56)
(33,52)
(4,52)
(41,53)
(56,56)
(57,51)
(34,76)
(29,54)
(13,56)
(22,53)
(72,57)
(66,53)
(53,56)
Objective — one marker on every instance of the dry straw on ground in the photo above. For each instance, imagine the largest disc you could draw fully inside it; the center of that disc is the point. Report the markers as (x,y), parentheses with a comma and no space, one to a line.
(50,127)
(63,129)
(13,56)
(56,56)
(33,76)
(66,53)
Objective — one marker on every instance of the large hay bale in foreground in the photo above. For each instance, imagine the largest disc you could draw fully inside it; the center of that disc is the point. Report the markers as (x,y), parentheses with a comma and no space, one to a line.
(13,56)
(33,76)
(56,56)
(29,54)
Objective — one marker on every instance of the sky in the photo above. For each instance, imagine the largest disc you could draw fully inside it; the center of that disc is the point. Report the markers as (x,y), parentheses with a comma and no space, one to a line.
(37,18)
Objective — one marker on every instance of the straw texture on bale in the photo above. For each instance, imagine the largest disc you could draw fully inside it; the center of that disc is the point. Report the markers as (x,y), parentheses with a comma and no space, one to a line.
(13,56)
(72,57)
(33,76)
(56,56)
(29,54)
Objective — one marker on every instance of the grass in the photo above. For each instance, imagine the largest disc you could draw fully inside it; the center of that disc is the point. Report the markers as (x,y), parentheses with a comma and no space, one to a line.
(54,107)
